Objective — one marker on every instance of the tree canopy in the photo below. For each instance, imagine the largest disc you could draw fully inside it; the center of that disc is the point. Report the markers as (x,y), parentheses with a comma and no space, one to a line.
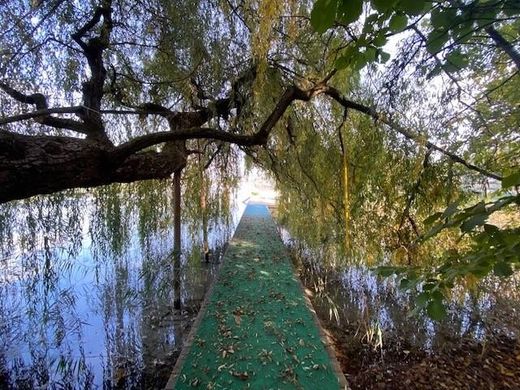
(378,119)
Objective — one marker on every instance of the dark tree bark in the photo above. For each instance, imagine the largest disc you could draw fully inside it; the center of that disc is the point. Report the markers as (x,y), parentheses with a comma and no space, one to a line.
(31,165)
(203,199)
(503,44)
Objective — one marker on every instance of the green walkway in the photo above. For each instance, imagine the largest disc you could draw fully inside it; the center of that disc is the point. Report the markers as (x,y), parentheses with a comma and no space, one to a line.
(256,330)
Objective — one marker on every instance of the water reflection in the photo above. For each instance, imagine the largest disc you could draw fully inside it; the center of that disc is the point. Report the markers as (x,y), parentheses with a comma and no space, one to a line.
(375,312)
(86,288)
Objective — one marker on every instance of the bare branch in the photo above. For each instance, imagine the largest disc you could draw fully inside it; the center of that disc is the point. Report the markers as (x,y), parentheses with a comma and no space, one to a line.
(219,147)
(139,143)
(259,138)
(89,25)
(409,134)
(36,98)
(42,115)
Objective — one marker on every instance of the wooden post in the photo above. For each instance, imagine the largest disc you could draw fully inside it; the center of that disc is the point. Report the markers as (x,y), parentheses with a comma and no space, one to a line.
(177,239)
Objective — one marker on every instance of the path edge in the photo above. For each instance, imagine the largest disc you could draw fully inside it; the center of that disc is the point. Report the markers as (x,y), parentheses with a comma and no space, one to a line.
(327,343)
(179,364)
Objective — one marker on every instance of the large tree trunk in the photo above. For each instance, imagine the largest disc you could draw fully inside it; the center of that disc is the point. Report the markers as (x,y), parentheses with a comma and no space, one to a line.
(31,165)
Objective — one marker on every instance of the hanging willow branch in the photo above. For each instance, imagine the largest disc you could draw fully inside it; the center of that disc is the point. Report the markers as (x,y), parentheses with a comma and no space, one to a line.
(291,94)
(407,133)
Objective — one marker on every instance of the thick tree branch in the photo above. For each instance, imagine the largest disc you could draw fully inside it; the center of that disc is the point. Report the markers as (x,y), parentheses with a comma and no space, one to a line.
(259,138)
(93,50)
(89,25)
(139,143)
(503,44)
(32,165)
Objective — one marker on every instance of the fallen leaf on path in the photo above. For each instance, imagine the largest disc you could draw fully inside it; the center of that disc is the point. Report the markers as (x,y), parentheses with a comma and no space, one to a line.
(242,375)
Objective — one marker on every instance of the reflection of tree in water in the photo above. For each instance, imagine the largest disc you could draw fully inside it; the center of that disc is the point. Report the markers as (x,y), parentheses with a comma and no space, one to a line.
(86,287)
(38,240)
(72,372)
(365,305)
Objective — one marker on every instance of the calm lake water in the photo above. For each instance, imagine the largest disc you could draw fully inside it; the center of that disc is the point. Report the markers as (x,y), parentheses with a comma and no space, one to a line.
(373,311)
(86,291)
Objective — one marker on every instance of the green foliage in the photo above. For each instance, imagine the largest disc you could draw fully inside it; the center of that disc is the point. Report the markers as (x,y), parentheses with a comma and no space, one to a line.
(462,241)
(349,10)
(492,250)
(511,180)
(307,171)
(385,208)
(208,196)
(448,25)
(397,23)
(468,218)
(323,15)
(411,7)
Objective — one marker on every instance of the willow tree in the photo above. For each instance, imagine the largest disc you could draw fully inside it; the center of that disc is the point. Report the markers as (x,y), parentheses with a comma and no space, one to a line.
(452,79)
(128,91)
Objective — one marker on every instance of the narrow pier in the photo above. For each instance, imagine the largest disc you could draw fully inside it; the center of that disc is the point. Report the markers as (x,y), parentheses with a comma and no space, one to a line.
(256,329)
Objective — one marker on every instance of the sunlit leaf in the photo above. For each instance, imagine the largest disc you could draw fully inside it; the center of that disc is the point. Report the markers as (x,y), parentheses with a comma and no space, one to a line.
(370,54)
(342,62)
(480,270)
(511,7)
(462,30)
(474,221)
(432,218)
(442,18)
(383,56)
(436,40)
(323,15)
(511,180)
(380,39)
(503,269)
(436,71)
(491,229)
(457,59)
(398,22)
(422,299)
(382,5)
(350,10)
(436,310)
